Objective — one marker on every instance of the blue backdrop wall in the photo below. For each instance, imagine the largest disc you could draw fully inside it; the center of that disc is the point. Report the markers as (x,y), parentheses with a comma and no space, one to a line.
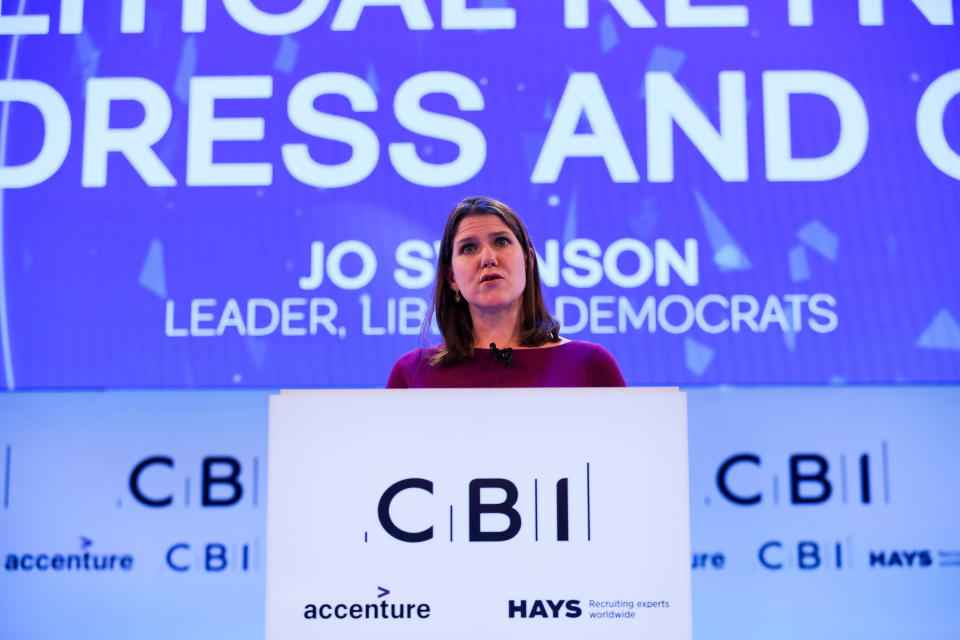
(815,513)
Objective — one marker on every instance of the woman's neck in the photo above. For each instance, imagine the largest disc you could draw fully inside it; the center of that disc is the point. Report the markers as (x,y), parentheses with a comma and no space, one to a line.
(501,327)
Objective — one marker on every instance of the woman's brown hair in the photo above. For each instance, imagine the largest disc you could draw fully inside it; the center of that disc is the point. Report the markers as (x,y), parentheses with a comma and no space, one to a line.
(537,326)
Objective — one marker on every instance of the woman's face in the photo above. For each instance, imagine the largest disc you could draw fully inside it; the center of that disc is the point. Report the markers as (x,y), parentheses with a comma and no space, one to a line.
(488,265)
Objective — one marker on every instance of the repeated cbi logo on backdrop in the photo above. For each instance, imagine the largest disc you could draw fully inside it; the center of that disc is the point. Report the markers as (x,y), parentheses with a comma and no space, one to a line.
(117,505)
(843,486)
(717,193)
(873,513)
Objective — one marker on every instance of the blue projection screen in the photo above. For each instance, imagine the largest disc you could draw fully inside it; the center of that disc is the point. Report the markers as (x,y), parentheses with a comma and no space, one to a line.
(249,193)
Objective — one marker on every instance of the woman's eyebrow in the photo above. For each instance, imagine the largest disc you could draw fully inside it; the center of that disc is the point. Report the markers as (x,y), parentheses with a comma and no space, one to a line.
(494,234)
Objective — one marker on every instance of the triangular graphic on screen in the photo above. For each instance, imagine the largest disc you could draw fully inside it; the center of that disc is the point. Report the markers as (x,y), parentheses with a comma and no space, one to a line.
(727,254)
(287,55)
(819,238)
(942,333)
(697,356)
(152,275)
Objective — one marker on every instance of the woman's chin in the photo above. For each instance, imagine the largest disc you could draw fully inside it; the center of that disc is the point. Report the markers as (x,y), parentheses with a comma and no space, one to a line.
(492,301)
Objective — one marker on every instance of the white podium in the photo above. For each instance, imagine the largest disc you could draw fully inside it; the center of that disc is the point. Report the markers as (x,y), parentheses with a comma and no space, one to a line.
(509,513)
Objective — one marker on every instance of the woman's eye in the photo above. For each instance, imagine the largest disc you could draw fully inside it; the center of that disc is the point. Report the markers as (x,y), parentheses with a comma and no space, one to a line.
(467,248)
(501,241)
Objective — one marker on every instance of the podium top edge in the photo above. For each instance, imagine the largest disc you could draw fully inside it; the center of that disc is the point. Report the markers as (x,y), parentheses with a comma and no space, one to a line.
(296,392)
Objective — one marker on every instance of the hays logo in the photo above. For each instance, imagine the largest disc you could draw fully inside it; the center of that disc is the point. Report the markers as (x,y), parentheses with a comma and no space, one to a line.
(498,499)
(222,482)
(904,558)
(543,608)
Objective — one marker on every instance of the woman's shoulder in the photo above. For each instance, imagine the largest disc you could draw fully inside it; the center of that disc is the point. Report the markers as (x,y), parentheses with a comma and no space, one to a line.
(604,370)
(581,346)
(415,355)
(586,349)
(407,364)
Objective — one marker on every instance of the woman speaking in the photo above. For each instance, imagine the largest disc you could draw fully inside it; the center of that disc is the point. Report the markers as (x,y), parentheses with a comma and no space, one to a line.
(496,329)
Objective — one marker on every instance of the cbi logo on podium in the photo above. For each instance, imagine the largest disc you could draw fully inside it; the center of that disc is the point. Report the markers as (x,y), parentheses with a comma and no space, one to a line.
(479,505)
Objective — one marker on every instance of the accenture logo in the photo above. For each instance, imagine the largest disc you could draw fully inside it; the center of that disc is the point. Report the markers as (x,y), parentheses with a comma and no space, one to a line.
(382,610)
(84,561)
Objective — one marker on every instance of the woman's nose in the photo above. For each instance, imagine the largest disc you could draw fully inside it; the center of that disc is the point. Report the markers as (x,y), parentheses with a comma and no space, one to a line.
(488,257)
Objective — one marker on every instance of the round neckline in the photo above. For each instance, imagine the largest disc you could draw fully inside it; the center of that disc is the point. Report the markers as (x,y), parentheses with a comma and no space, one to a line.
(517,350)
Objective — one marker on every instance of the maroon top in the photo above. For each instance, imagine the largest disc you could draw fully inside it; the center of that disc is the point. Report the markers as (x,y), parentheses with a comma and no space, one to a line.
(571,364)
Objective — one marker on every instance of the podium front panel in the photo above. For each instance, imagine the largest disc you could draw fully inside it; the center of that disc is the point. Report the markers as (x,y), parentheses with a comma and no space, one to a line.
(465,513)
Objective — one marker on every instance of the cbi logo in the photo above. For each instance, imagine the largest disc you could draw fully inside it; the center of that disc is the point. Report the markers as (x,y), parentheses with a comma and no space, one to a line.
(223,481)
(810,555)
(811,478)
(480,504)
(214,557)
